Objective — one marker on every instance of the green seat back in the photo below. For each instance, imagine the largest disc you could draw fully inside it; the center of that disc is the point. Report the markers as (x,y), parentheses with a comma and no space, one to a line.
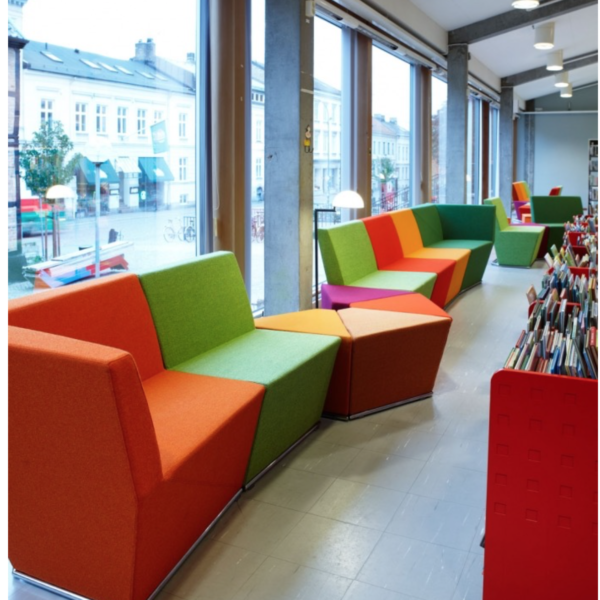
(347,253)
(553,209)
(197,305)
(501,218)
(430,226)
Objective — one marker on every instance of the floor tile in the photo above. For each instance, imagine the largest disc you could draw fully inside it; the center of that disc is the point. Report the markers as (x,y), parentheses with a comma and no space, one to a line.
(276,579)
(436,521)
(445,482)
(470,585)
(291,488)
(365,591)
(347,433)
(320,457)
(383,470)
(328,545)
(358,504)
(255,525)
(216,571)
(403,439)
(414,568)
(466,453)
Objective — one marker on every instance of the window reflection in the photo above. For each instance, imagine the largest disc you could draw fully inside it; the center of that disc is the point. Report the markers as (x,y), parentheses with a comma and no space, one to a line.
(439,111)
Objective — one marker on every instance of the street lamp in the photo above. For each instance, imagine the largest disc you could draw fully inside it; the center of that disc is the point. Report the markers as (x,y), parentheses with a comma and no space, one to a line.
(346,199)
(54,193)
(98,154)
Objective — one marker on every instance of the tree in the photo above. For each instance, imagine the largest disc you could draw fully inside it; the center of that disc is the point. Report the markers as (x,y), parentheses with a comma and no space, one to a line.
(43,161)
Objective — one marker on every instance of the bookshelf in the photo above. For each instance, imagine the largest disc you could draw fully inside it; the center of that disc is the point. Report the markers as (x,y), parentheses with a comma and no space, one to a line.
(541,514)
(592,176)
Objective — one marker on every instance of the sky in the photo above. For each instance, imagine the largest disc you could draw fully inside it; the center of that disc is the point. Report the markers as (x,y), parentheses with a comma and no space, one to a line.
(112,27)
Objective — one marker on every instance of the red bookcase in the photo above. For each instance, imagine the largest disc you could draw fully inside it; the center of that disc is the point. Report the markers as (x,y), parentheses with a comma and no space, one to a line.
(541,534)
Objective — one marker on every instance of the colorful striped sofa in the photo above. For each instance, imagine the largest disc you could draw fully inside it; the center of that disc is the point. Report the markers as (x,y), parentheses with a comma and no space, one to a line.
(205,326)
(436,250)
(116,465)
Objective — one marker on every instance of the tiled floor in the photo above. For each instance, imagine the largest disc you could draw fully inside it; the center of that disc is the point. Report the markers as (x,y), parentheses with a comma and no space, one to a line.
(389,507)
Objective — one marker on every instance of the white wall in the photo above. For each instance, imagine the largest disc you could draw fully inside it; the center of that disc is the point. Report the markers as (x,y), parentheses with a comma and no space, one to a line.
(561,152)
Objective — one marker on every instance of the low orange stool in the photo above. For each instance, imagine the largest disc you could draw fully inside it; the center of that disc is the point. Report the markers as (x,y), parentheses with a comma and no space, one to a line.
(386,358)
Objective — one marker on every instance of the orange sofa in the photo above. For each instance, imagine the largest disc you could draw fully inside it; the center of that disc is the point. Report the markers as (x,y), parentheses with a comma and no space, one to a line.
(117,467)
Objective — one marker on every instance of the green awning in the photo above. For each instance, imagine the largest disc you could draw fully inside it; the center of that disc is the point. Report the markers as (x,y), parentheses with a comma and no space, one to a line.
(155,169)
(88,170)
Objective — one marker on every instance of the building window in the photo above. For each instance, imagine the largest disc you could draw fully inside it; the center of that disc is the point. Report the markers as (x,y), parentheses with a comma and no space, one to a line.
(258,168)
(182,125)
(158,116)
(100,118)
(183,169)
(259,130)
(122,120)
(46,110)
(80,117)
(183,198)
(141,121)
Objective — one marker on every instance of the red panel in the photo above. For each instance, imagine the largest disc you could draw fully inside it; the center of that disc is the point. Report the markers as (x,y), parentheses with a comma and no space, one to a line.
(541,538)
(384,239)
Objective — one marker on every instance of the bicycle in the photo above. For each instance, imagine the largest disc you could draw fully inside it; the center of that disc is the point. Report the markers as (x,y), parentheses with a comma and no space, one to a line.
(169,233)
(184,232)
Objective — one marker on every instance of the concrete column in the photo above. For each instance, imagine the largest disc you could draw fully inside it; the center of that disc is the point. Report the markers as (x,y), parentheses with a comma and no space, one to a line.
(288,161)
(529,158)
(506,147)
(456,130)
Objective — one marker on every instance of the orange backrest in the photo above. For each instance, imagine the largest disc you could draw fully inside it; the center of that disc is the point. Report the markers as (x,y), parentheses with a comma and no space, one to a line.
(82,453)
(111,311)
(520,191)
(408,230)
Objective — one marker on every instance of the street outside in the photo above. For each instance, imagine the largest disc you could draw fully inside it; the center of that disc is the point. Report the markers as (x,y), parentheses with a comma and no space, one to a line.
(150,248)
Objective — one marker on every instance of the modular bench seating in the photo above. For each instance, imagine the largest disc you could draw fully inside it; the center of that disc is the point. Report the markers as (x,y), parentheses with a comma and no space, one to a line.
(118,466)
(554,212)
(436,250)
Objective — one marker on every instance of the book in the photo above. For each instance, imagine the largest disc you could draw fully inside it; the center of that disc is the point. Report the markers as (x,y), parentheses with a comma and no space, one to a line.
(531,294)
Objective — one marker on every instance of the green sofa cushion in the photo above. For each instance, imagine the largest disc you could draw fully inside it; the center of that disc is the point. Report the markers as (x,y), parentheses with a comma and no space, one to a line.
(347,253)
(410,281)
(197,305)
(294,367)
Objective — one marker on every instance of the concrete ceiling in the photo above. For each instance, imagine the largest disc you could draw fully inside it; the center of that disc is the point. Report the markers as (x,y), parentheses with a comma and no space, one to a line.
(512,53)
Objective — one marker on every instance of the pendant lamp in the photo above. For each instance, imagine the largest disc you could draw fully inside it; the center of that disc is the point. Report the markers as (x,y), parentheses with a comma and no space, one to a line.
(567,92)
(544,36)
(561,79)
(525,4)
(554,62)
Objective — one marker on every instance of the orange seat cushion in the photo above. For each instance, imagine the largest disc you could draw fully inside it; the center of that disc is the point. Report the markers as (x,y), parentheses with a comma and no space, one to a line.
(408,303)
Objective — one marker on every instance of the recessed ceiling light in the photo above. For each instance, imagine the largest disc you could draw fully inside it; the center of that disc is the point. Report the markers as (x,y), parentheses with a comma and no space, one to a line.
(525,4)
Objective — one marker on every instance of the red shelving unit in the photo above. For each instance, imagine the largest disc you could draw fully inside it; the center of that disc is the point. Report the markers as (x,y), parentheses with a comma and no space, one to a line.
(541,535)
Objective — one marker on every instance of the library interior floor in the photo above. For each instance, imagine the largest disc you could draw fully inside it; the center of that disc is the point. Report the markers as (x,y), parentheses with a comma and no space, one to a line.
(388,507)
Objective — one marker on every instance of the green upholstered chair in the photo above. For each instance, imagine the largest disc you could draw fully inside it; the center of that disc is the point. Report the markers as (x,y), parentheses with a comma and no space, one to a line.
(205,325)
(349,259)
(459,226)
(515,246)
(555,211)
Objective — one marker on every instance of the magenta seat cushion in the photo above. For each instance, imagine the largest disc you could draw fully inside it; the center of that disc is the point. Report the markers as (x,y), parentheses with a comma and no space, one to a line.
(337,297)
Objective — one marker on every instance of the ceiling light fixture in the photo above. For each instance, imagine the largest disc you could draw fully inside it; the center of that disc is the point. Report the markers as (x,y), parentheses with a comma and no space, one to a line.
(561,80)
(544,37)
(567,92)
(526,4)
(555,61)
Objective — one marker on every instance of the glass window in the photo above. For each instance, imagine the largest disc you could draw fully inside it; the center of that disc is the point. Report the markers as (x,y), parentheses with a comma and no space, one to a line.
(80,117)
(100,118)
(473,175)
(390,188)
(147,183)
(256,227)
(182,125)
(439,111)
(47,110)
(494,185)
(122,120)
(327,125)
(141,121)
